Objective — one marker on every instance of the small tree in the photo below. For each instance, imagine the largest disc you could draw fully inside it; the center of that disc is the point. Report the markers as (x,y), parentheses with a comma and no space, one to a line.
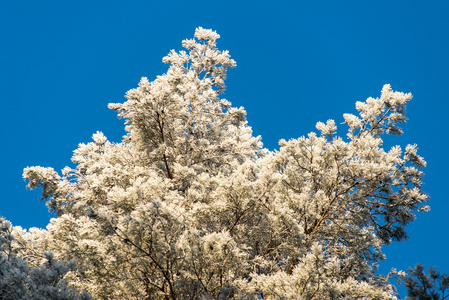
(190,206)
(19,280)
(421,286)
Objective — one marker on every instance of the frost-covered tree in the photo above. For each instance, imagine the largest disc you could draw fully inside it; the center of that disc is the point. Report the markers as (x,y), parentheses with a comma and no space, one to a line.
(19,280)
(190,206)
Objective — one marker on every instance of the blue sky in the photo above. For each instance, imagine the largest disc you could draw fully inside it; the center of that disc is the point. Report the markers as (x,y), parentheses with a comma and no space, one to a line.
(298,62)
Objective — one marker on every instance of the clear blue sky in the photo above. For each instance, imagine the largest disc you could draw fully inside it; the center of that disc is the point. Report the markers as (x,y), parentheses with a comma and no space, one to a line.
(298,62)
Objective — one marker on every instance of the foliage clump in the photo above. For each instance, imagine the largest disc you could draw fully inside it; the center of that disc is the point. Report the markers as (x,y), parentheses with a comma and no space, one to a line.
(28,274)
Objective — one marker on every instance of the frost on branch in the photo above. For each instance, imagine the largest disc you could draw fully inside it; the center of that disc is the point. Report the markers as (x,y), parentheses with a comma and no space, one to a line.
(179,119)
(189,205)
(379,115)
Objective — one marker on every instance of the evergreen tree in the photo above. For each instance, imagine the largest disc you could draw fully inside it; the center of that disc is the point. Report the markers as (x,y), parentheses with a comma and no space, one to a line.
(421,286)
(20,280)
(190,206)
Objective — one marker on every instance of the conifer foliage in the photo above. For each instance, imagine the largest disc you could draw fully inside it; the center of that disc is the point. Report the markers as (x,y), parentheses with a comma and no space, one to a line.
(31,275)
(190,206)
(420,285)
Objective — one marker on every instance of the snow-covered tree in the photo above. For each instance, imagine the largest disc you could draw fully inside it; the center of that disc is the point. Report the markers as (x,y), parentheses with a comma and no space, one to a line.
(31,275)
(190,206)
